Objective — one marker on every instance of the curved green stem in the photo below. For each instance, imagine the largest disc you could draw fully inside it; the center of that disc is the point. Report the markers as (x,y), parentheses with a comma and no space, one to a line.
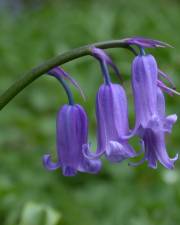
(36,72)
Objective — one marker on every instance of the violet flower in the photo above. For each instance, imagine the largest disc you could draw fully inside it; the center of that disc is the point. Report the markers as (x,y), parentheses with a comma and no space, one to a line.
(112,119)
(144,85)
(71,135)
(151,121)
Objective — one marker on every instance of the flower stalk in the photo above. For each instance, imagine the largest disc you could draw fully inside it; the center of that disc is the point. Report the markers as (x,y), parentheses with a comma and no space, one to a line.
(27,78)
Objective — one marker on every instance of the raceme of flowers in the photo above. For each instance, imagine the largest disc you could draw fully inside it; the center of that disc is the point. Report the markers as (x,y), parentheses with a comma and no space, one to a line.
(113,132)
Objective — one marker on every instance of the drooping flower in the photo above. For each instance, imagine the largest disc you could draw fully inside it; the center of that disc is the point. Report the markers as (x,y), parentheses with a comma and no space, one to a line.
(151,122)
(112,123)
(71,135)
(112,120)
(148,98)
(144,85)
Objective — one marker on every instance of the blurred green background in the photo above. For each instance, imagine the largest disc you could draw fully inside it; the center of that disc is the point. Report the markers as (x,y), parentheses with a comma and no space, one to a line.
(33,31)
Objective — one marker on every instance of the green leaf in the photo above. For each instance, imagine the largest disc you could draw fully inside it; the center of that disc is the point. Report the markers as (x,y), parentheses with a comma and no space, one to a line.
(38,214)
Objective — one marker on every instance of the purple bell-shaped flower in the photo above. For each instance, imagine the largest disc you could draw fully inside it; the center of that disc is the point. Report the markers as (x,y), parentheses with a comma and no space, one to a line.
(112,119)
(151,122)
(71,135)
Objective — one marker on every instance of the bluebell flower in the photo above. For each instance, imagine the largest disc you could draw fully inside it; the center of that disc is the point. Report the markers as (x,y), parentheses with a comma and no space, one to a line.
(71,135)
(151,122)
(112,118)
(144,85)
(112,123)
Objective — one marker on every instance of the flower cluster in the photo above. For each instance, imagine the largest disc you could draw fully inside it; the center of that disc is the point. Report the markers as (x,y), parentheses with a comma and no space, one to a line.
(113,133)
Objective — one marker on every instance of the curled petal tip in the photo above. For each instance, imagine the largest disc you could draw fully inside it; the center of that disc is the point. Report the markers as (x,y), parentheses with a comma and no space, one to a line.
(90,155)
(48,164)
(175,158)
(92,166)
(170,163)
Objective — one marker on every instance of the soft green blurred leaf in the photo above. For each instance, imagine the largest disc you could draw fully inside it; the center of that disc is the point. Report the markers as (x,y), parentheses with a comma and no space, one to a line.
(37,214)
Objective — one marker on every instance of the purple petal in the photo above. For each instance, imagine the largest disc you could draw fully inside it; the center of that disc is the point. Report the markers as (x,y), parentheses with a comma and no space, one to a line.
(155,148)
(168,162)
(68,171)
(166,121)
(161,107)
(144,85)
(71,134)
(91,166)
(116,152)
(169,122)
(111,113)
(145,42)
(50,165)
(72,131)
(89,154)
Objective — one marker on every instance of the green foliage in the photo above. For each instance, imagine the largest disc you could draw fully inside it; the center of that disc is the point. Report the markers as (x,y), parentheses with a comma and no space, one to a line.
(29,195)
(36,214)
